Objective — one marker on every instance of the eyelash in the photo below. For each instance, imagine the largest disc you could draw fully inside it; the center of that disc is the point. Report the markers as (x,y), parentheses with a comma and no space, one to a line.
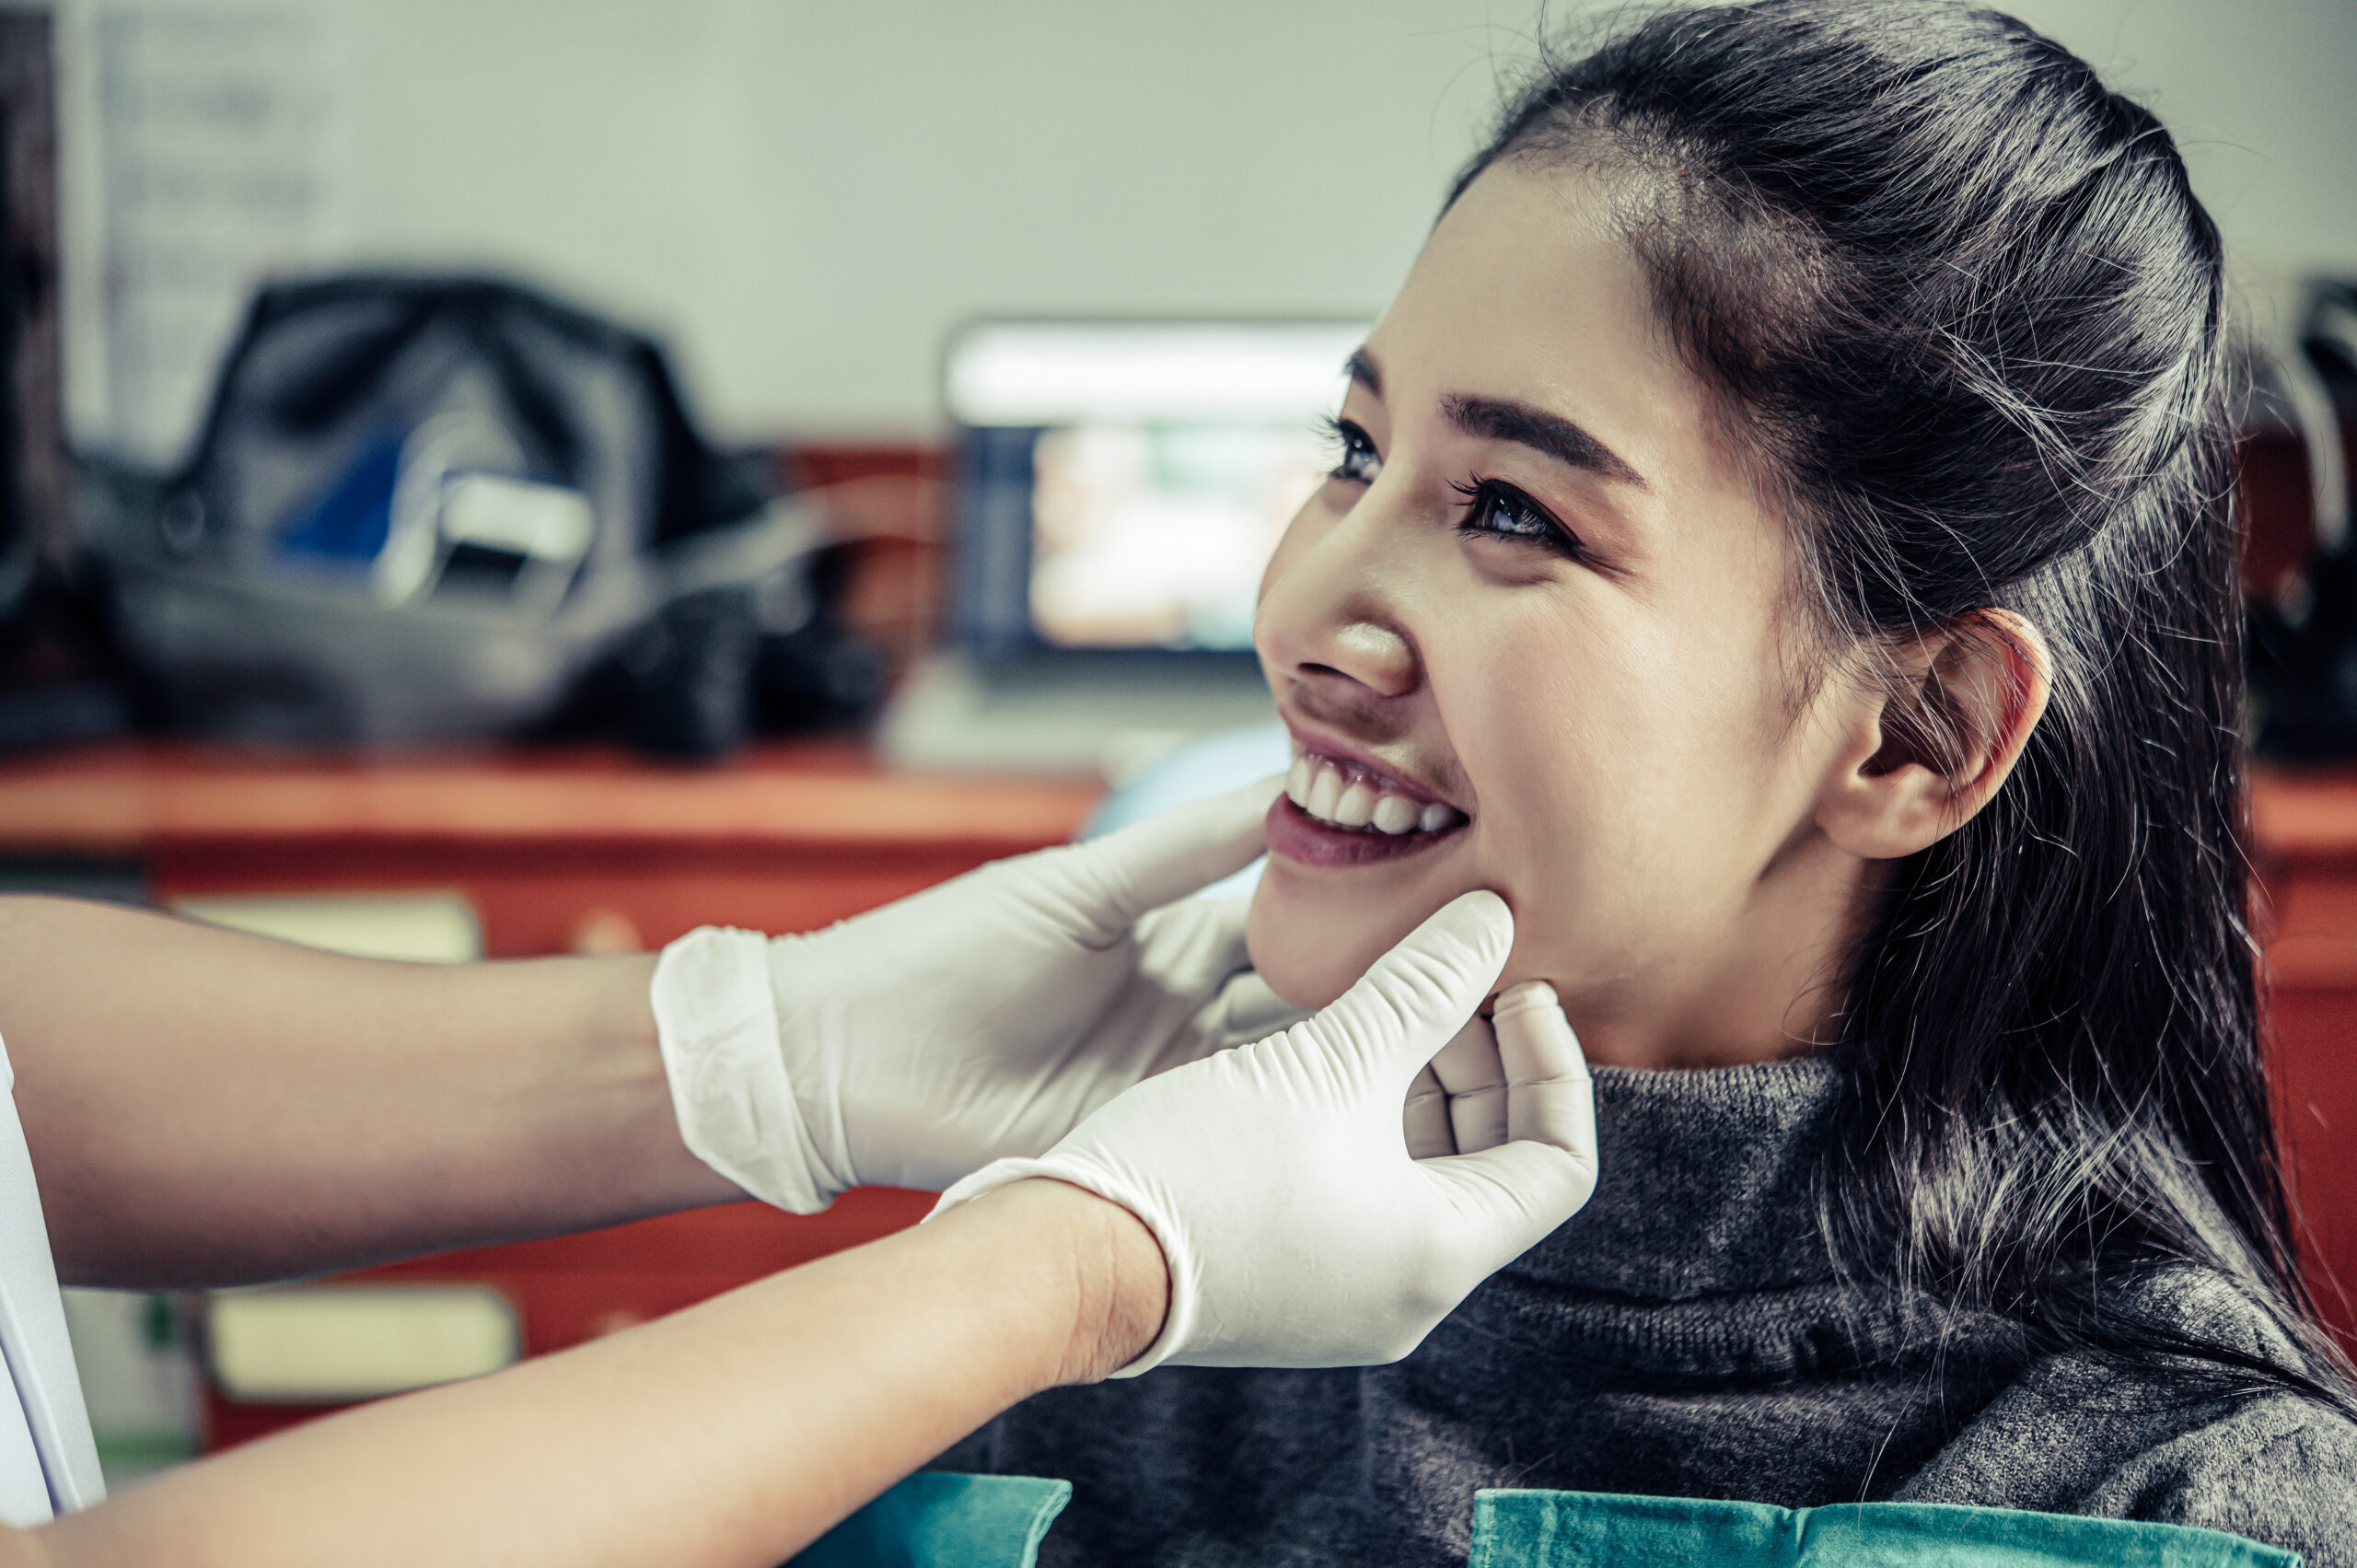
(1352,445)
(1487,501)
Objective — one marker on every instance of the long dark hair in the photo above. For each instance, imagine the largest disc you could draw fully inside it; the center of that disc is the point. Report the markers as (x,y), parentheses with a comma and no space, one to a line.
(1958,302)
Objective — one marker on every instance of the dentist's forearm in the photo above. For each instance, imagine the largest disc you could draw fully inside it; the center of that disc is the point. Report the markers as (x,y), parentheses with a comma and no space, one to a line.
(206,1108)
(729,1435)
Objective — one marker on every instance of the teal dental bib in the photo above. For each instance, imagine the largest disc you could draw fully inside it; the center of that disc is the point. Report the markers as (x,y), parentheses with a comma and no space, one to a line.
(935,1519)
(1591,1530)
(938,1520)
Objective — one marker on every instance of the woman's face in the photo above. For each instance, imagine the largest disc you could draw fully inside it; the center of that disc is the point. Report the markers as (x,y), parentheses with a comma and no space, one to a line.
(1538,606)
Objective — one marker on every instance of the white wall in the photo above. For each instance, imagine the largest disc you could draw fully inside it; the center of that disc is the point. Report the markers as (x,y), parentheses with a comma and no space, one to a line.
(805,193)
(808,194)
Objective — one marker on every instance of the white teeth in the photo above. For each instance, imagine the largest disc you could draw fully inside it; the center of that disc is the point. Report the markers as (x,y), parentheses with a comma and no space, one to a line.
(1356,808)
(1325,792)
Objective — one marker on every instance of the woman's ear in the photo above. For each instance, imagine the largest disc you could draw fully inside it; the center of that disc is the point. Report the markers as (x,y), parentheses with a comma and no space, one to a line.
(1930,747)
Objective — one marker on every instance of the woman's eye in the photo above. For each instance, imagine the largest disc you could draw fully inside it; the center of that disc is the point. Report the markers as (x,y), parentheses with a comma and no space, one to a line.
(1356,459)
(1500,511)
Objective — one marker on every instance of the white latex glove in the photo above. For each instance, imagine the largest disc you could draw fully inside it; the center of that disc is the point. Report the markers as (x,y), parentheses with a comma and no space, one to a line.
(1297,1229)
(1458,1104)
(980,1018)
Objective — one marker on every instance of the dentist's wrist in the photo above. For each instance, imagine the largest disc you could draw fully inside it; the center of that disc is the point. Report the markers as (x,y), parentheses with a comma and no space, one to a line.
(1107,1288)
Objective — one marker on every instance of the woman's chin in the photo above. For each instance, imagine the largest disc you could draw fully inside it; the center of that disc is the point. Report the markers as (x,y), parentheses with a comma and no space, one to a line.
(1308,959)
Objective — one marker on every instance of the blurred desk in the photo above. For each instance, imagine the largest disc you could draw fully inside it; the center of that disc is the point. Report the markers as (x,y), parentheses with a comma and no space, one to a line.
(557,850)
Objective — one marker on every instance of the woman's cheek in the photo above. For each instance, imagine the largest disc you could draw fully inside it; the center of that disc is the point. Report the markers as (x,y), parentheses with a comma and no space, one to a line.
(1550,758)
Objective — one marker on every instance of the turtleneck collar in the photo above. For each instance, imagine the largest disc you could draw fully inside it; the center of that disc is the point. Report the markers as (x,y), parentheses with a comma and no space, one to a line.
(1706,1184)
(1700,1256)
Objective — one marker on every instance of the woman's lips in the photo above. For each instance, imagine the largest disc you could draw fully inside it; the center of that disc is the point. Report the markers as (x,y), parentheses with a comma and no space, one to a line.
(1299,837)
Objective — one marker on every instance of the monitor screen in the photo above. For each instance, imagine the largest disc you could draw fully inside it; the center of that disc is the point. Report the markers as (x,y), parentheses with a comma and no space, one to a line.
(1124,483)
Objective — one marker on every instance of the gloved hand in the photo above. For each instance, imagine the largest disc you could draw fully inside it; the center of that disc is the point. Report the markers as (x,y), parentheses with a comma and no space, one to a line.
(980,1019)
(1297,1229)
(1458,1104)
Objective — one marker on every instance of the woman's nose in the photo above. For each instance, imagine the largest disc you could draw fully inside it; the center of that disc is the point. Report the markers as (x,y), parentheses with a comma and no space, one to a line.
(1324,621)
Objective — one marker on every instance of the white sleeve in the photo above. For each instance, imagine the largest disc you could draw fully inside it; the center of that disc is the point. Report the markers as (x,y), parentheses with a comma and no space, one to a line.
(47,1389)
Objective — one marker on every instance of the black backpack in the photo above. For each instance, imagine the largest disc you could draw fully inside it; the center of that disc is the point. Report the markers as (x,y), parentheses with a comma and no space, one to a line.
(435,509)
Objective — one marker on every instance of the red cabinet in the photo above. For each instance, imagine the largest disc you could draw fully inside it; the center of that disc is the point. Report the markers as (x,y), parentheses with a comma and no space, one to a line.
(2305,844)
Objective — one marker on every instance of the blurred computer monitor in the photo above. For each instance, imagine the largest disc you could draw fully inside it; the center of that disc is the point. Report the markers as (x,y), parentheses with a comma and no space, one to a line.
(1122,483)
(1121,486)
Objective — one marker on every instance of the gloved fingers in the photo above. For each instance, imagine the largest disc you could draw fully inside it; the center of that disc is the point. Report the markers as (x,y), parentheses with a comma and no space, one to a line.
(1241,1012)
(1418,995)
(1550,1095)
(1245,1010)
(1469,1070)
(1425,1118)
(1193,946)
(1508,1198)
(1255,1011)
(1115,879)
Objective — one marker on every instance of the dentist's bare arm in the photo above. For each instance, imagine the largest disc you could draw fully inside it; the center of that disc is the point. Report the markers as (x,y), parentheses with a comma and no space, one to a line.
(729,1435)
(206,1108)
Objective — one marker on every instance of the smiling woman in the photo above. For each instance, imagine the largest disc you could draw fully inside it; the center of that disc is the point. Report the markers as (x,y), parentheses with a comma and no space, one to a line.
(1580,651)
(1777,539)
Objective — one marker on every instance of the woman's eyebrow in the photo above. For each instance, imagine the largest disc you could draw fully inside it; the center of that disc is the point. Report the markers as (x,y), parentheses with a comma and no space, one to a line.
(1499,419)
(1502,419)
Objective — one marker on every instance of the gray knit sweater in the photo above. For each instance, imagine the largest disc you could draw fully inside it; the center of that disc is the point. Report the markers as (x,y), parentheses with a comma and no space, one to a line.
(1685,1334)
